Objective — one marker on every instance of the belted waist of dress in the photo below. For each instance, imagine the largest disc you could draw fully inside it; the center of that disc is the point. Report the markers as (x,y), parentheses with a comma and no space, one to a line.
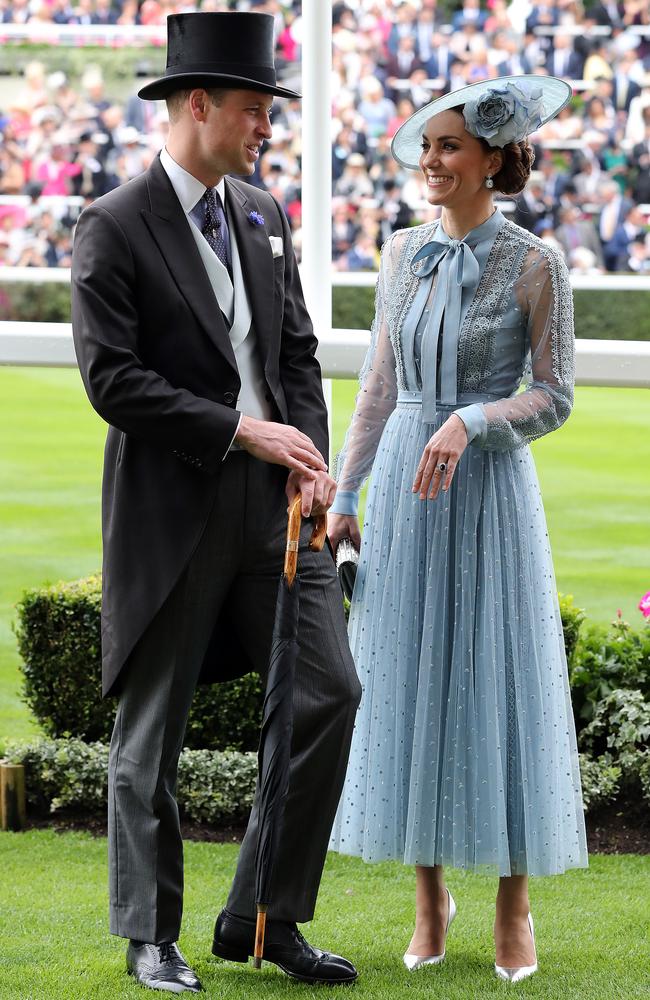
(412,397)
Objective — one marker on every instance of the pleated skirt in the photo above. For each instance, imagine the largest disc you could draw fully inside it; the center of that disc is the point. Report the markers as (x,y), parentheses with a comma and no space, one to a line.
(464,751)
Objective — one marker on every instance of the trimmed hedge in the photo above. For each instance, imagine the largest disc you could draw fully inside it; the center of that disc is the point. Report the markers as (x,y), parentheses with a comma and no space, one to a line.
(599,315)
(213,786)
(59,640)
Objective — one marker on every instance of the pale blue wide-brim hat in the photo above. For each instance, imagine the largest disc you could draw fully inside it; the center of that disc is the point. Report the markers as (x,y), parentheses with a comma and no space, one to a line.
(500,111)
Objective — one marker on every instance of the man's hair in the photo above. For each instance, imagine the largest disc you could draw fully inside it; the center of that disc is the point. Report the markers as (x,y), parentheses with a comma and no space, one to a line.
(176,101)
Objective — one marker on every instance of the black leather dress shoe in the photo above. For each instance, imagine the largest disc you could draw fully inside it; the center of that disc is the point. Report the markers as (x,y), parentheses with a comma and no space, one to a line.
(284,945)
(161,967)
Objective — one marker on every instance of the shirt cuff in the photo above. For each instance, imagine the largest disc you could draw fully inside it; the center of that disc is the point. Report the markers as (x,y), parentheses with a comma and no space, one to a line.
(230,446)
(475,422)
(345,502)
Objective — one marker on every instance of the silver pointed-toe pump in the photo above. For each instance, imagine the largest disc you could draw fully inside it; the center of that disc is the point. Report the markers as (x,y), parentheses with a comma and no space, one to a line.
(523,971)
(413,962)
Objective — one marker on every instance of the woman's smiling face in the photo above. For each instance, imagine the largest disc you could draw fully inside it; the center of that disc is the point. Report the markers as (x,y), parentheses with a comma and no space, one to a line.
(455,163)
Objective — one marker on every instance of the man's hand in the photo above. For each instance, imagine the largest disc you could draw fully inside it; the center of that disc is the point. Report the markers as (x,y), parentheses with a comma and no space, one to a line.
(343,526)
(280,444)
(318,491)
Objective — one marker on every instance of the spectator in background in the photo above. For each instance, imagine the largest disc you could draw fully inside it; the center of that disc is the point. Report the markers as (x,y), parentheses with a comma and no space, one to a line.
(590,175)
(640,161)
(347,142)
(90,180)
(583,261)
(530,207)
(375,108)
(598,64)
(574,232)
(354,183)
(344,230)
(403,27)
(401,65)
(363,255)
(12,173)
(394,213)
(34,94)
(609,118)
(470,13)
(429,19)
(104,13)
(567,125)
(404,109)
(563,60)
(615,212)
(441,58)
(639,258)
(54,170)
(624,87)
(598,117)
(629,231)
(130,155)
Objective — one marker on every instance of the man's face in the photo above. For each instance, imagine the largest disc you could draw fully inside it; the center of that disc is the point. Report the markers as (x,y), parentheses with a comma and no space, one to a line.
(233,131)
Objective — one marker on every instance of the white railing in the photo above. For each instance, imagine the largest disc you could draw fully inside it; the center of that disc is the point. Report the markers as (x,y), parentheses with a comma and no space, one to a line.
(347,279)
(340,353)
(589,282)
(46,32)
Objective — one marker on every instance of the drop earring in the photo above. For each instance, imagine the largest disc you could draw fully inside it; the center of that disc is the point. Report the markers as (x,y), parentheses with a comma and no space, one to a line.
(489,183)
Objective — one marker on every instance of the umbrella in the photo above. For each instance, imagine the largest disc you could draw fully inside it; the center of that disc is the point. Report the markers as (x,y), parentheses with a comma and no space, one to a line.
(277,719)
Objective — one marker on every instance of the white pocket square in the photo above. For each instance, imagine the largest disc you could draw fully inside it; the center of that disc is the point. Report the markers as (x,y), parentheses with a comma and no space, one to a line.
(277,246)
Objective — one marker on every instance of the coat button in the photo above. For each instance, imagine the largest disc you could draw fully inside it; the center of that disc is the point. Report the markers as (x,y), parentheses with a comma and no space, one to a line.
(229,397)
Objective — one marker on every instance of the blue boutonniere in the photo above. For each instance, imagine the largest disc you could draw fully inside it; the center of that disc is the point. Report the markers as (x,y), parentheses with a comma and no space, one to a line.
(255,219)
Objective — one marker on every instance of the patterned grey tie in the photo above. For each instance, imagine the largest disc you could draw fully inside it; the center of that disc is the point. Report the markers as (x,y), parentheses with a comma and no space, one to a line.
(214,226)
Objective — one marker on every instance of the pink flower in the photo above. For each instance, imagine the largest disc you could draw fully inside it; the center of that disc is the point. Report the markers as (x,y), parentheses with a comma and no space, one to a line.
(644,605)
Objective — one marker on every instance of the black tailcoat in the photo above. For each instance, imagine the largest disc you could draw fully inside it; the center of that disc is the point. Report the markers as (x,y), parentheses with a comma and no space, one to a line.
(158,366)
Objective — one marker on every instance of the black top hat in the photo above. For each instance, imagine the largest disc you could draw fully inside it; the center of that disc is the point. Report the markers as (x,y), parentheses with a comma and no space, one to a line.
(232,50)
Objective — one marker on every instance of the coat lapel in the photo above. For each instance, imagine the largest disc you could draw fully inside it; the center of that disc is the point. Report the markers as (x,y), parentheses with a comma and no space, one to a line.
(170,229)
(256,262)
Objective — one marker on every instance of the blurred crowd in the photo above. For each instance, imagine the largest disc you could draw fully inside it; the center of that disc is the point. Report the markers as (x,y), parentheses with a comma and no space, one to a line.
(589,193)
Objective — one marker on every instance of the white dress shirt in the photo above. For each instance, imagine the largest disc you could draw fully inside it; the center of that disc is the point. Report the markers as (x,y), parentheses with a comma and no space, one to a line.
(231,295)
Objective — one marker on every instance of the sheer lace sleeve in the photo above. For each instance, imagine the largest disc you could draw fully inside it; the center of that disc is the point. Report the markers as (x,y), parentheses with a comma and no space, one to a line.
(377,394)
(544,293)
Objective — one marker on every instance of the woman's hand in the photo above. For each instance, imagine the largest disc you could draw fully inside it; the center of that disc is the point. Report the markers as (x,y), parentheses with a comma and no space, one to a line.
(343,526)
(444,447)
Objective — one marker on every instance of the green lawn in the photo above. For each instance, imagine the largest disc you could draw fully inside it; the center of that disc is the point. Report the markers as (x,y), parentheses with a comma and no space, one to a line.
(591,928)
(594,476)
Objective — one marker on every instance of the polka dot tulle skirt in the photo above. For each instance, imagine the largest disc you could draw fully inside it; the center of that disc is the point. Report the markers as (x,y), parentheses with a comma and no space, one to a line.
(464,751)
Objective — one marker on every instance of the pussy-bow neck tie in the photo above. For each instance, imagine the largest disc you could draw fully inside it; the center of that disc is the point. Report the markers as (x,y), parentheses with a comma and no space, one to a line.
(457,269)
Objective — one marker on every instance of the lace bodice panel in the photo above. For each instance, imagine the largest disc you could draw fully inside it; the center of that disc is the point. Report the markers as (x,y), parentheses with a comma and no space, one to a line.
(517,333)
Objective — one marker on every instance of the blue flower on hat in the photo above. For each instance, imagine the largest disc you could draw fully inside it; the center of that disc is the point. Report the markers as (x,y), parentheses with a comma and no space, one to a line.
(255,219)
(504,113)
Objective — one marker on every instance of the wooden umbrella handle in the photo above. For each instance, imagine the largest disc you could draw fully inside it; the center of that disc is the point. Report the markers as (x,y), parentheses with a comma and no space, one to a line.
(293,535)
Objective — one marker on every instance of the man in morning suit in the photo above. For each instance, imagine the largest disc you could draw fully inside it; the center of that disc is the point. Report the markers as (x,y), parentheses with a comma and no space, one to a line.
(195,346)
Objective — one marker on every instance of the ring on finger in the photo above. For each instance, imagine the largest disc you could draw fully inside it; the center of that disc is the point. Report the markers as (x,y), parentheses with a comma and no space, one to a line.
(441,467)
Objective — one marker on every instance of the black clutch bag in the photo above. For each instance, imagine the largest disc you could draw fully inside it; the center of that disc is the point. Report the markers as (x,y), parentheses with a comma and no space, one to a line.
(347,560)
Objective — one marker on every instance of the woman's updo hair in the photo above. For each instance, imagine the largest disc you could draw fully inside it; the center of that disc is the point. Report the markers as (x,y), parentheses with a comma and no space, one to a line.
(518,159)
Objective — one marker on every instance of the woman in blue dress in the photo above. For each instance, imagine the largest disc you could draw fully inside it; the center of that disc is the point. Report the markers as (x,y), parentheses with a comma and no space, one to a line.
(464,751)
